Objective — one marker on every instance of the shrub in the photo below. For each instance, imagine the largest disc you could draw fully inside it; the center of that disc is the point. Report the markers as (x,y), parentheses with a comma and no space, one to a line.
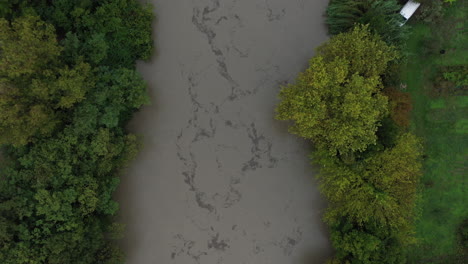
(372,201)
(382,16)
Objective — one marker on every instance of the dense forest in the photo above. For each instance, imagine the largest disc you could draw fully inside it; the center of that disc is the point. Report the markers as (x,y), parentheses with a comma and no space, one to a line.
(68,86)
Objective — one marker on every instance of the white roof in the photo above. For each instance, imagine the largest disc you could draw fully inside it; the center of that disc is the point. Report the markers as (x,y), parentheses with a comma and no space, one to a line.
(409,8)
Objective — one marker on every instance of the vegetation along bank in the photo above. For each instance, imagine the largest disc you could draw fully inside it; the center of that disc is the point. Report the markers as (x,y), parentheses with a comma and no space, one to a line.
(370,101)
(68,86)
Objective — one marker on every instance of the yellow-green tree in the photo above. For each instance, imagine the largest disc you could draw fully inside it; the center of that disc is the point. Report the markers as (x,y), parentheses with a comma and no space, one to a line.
(34,85)
(381,187)
(337,102)
(371,202)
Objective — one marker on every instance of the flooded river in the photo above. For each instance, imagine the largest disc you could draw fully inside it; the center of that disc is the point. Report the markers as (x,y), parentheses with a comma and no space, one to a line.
(218,180)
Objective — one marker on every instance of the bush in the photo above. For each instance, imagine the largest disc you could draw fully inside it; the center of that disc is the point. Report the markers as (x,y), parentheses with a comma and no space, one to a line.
(371,201)
(367,244)
(463,236)
(382,16)
(456,74)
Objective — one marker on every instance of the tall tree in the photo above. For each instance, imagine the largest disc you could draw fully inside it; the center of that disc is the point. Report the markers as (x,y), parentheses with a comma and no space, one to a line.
(337,102)
(34,85)
(380,188)
(371,202)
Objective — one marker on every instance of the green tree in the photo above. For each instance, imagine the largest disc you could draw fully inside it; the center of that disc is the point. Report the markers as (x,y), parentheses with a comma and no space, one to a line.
(337,102)
(115,32)
(28,46)
(381,187)
(371,202)
(35,87)
(367,244)
(60,208)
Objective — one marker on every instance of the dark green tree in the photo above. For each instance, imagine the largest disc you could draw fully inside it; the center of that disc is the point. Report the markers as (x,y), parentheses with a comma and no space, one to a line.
(68,86)
(372,201)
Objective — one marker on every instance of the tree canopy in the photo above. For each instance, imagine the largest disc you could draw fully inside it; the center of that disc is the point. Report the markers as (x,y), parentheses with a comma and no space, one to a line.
(34,84)
(381,187)
(337,102)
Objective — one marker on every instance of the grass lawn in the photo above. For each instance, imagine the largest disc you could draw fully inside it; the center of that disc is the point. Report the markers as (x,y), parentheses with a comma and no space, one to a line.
(440,118)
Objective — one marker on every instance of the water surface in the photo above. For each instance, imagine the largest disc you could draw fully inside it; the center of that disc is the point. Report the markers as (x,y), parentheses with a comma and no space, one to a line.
(218,180)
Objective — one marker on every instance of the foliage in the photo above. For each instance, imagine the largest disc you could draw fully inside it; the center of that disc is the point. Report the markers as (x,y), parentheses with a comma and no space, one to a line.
(366,244)
(68,86)
(392,76)
(457,74)
(382,16)
(371,201)
(108,32)
(387,134)
(372,192)
(64,199)
(130,33)
(463,233)
(400,106)
(462,238)
(8,7)
(370,165)
(336,102)
(369,169)
(34,38)
(381,187)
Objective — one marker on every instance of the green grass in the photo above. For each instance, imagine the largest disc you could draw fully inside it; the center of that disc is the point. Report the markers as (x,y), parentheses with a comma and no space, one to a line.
(440,120)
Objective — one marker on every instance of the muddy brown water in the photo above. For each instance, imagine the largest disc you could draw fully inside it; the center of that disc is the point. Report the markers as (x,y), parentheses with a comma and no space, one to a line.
(218,180)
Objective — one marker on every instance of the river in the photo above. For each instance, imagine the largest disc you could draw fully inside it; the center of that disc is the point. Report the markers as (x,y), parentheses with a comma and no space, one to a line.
(218,180)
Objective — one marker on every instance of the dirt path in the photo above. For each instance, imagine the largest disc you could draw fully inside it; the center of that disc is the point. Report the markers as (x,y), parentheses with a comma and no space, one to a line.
(218,179)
